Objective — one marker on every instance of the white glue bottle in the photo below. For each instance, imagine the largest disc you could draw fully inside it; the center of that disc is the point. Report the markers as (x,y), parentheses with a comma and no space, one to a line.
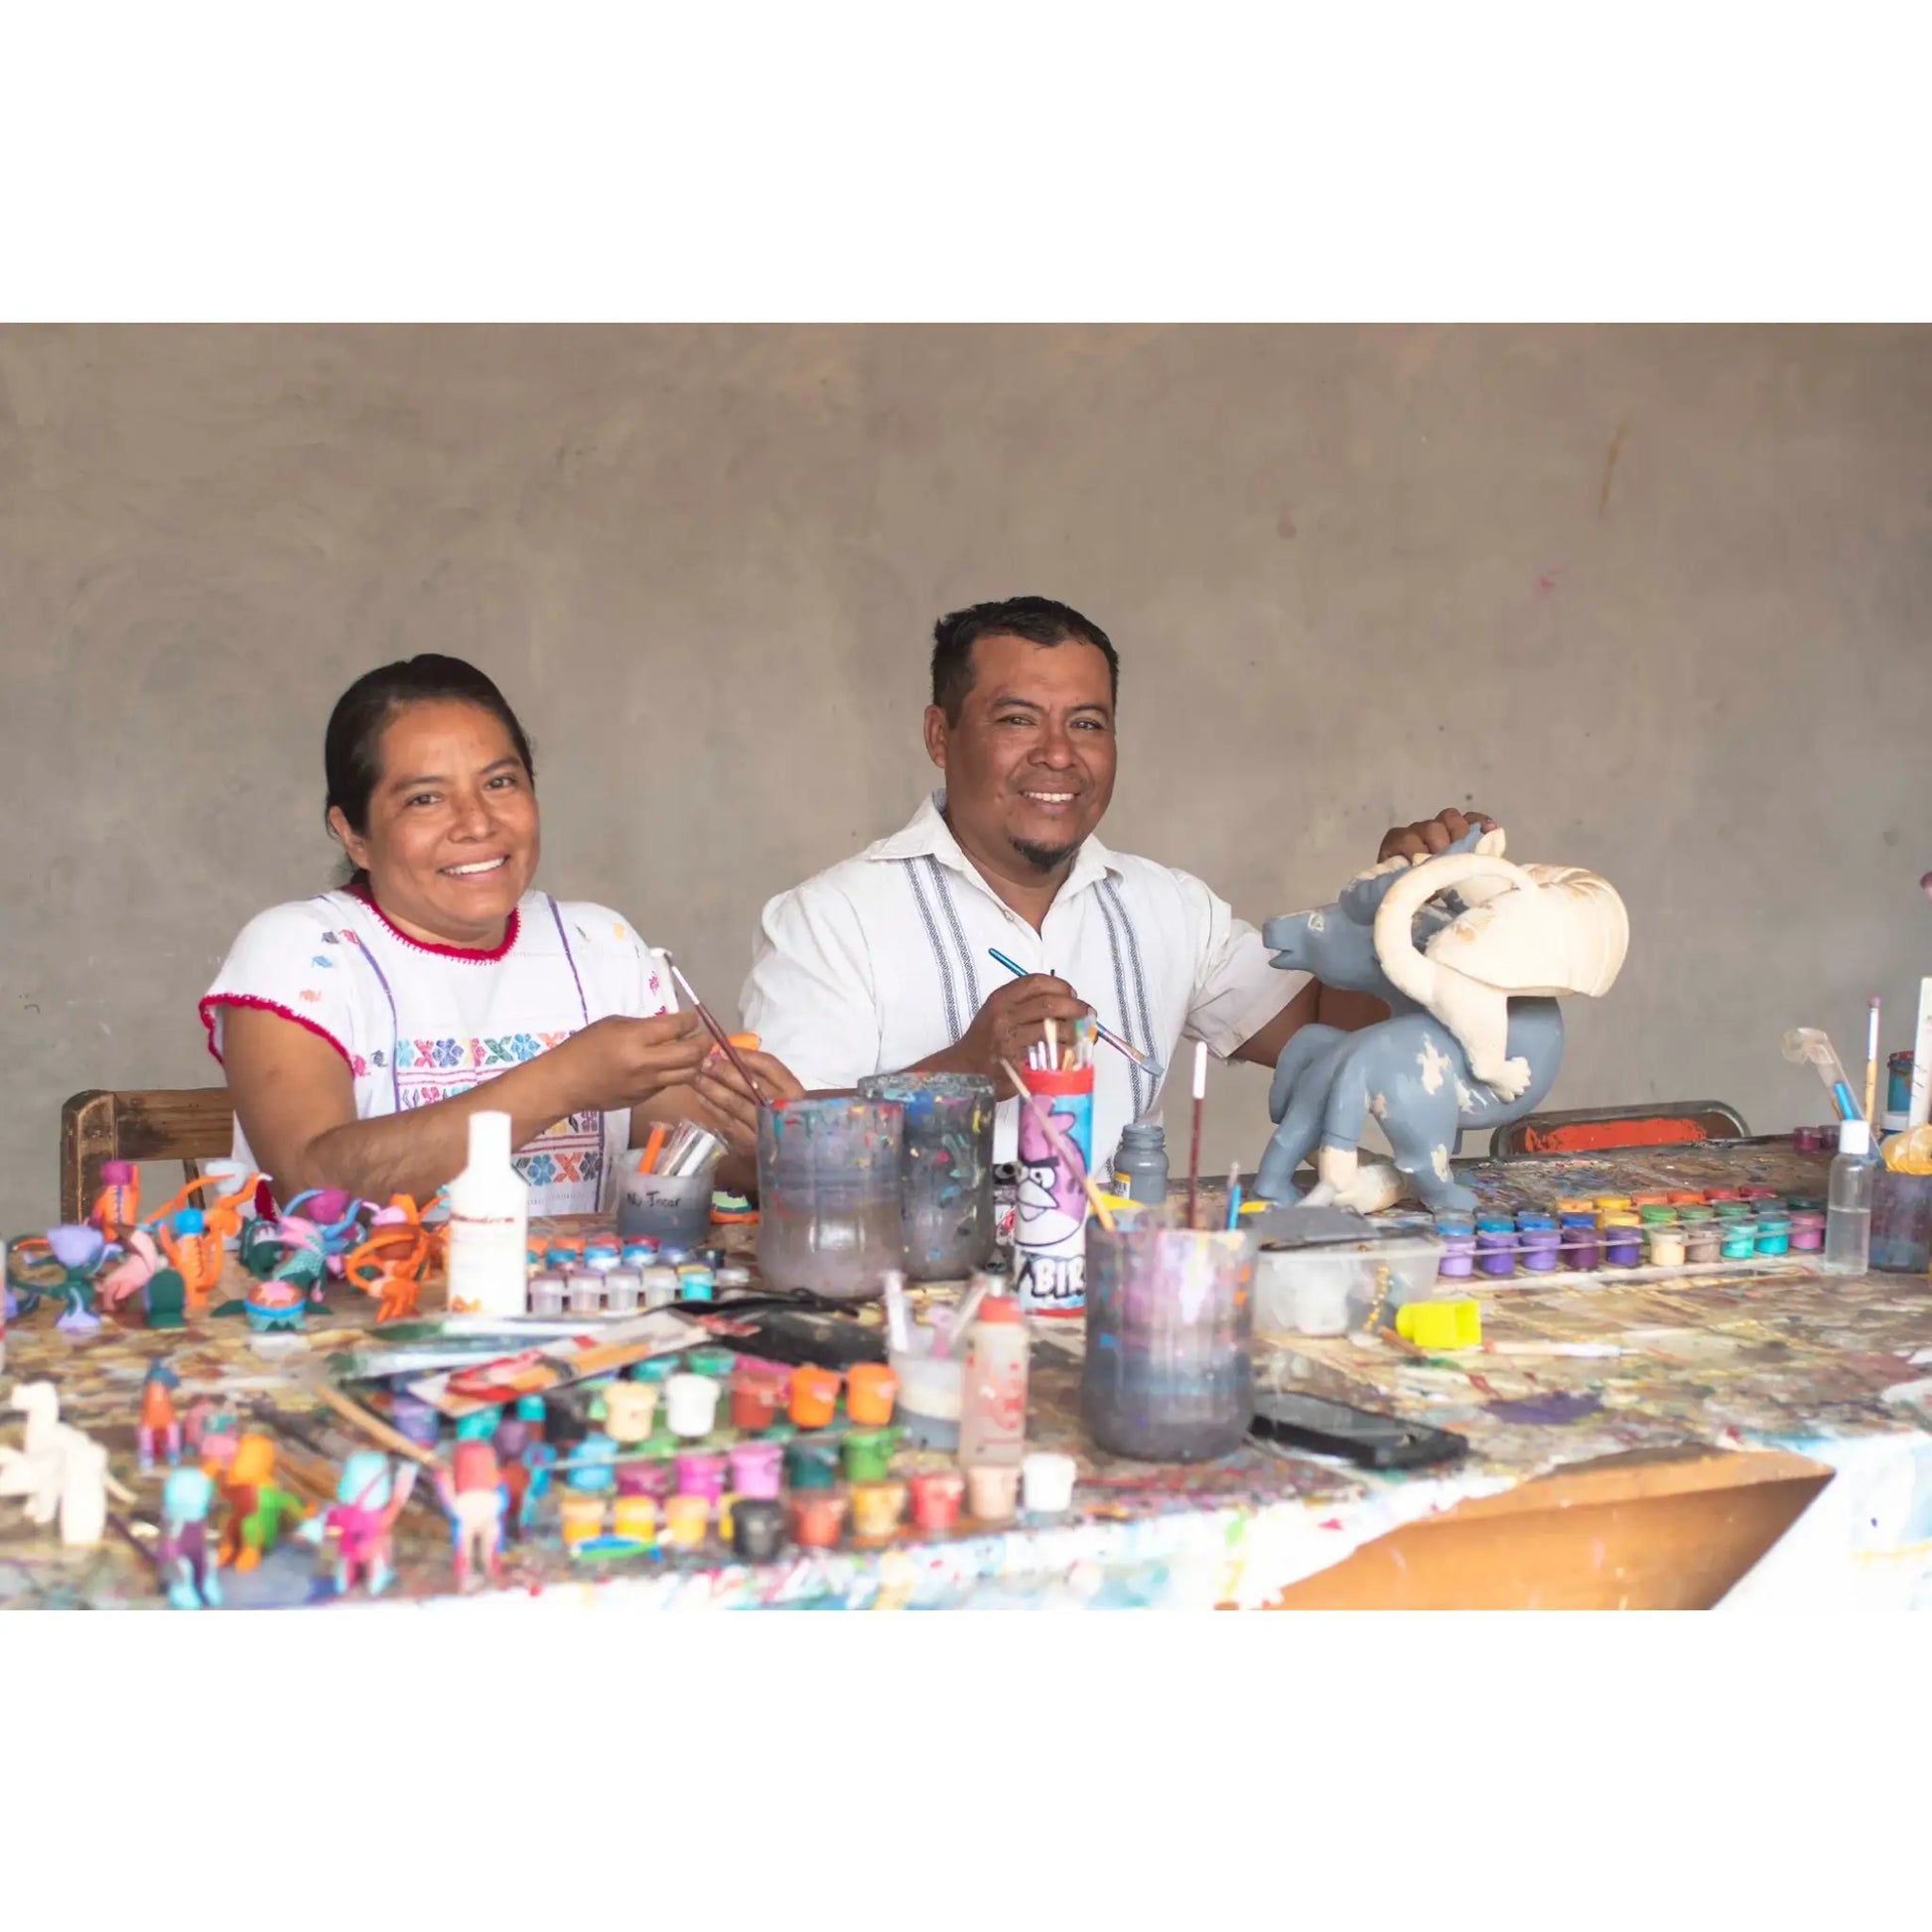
(993,1397)
(490,1220)
(1847,1205)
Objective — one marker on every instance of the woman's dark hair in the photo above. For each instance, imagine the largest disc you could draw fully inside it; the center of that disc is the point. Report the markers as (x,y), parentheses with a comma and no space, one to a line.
(352,748)
(1039,620)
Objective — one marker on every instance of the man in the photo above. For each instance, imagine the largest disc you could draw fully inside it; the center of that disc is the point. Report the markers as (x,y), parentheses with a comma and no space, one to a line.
(884,962)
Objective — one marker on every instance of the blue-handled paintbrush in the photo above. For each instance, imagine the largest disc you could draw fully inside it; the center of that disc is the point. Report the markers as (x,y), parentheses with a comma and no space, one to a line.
(1144,1062)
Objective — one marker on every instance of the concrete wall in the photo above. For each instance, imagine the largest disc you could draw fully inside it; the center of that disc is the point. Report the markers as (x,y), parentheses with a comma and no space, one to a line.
(1656,598)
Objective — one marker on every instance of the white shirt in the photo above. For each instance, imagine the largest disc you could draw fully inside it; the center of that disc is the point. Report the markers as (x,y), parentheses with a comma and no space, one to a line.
(883,961)
(417,1023)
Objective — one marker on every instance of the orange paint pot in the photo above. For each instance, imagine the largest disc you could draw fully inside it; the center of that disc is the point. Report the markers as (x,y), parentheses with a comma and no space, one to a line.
(936,1497)
(876,1510)
(635,1519)
(686,1519)
(757,1397)
(1687,1198)
(871,1389)
(817,1515)
(583,1518)
(1651,1201)
(814,1398)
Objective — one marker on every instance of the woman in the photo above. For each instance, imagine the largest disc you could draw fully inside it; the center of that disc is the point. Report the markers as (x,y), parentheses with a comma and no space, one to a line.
(360,1029)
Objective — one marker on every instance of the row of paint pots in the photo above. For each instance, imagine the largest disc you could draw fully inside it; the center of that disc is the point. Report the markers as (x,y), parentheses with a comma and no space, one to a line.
(1661,1236)
(753,1517)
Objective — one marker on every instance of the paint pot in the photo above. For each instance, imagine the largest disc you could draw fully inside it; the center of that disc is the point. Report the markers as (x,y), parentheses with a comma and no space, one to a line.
(674,1211)
(1575,1204)
(700,1472)
(1611,1204)
(1458,1234)
(1665,1241)
(1622,1240)
(1049,1253)
(869,1453)
(1757,1192)
(1659,1197)
(716,1363)
(758,1528)
(732,1275)
(638,1254)
(635,1518)
(657,1368)
(1773,1234)
(1687,1198)
(1703,1239)
(1168,1375)
(415,1419)
(814,1396)
(811,1465)
(828,1196)
(1657,1214)
(757,1394)
(547,1291)
(992,1491)
(869,1390)
(650,1474)
(1805,1204)
(586,1293)
(691,1405)
(1807,1230)
(945,1180)
(593,1465)
(686,1519)
(1696,1211)
(581,1517)
(532,1413)
(1739,1239)
(931,1391)
(1496,1249)
(817,1516)
(624,1290)
(1901,1222)
(599,1257)
(1533,1220)
(781,1432)
(563,1250)
(1581,1246)
(875,1511)
(1809,1140)
(629,1408)
(696,1283)
(659,1286)
(1732,1209)
(936,1496)
(1536,1250)
(758,1468)
(1046,1482)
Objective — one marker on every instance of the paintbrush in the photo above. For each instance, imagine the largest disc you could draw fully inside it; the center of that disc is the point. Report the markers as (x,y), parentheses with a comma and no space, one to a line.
(1234,1194)
(716,1031)
(1193,1156)
(1067,1150)
(1144,1062)
(1872,1064)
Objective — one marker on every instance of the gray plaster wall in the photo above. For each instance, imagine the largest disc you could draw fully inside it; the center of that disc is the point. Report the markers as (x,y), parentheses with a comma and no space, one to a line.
(1657,598)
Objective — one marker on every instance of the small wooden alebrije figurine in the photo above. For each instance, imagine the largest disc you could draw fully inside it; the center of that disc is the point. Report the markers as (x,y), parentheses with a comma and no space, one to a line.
(185,1553)
(158,1423)
(196,1252)
(471,1490)
(164,1297)
(368,1499)
(79,1249)
(57,1469)
(258,1506)
(116,1211)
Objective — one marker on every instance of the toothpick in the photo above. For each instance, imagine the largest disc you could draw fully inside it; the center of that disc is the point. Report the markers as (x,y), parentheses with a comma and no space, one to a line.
(1193,1156)
(1067,1150)
(1872,1066)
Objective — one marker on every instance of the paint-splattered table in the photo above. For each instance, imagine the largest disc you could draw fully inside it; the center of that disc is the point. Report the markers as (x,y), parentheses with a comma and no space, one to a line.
(1736,1409)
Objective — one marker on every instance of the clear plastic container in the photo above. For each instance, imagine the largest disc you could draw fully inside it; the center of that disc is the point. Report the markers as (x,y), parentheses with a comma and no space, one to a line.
(671,1209)
(1330,1291)
(1168,1375)
(946,1172)
(1848,1208)
(828,1196)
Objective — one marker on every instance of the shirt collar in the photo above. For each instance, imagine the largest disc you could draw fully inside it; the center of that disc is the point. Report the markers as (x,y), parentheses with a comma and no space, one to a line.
(927,835)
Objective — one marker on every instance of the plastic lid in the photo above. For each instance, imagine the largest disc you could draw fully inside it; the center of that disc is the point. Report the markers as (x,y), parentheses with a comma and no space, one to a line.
(1854,1137)
(490,1139)
(998,1309)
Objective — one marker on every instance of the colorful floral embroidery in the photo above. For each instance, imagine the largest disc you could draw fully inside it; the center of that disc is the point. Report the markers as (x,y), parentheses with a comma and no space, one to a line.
(309,992)
(320,960)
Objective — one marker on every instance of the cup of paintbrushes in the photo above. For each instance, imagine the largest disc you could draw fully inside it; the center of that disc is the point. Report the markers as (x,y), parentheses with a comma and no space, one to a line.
(665,1186)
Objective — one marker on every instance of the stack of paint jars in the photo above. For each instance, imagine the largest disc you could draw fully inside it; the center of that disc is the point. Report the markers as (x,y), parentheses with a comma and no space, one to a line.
(598,1275)
(1673,1228)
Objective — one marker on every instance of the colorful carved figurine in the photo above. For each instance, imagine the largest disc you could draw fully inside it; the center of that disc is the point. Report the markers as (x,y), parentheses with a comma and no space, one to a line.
(164,1299)
(257,1506)
(79,1249)
(57,1469)
(194,1250)
(368,1499)
(335,1219)
(393,1259)
(226,1211)
(158,1423)
(274,1304)
(218,1438)
(471,1490)
(116,1210)
(133,1271)
(185,1554)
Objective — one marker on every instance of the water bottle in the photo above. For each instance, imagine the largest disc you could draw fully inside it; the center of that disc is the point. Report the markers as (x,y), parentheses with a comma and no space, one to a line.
(1848,1206)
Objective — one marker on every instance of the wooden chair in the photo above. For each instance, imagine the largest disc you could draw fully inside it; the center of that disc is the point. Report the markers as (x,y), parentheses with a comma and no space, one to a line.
(185,1124)
(1594,1130)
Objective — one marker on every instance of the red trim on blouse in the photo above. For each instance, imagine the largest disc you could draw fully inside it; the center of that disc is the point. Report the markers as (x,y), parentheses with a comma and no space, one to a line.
(479,955)
(264,1006)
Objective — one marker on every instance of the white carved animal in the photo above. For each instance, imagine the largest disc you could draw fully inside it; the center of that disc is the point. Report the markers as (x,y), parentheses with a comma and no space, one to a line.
(57,1469)
(1526,929)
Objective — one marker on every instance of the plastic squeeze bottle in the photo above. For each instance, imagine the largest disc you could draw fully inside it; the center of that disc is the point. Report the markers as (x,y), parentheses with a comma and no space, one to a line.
(1848,1201)
(992,1400)
(489,1217)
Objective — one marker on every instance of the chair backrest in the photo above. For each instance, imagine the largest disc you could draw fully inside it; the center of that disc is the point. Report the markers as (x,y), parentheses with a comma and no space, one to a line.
(185,1124)
(1595,1130)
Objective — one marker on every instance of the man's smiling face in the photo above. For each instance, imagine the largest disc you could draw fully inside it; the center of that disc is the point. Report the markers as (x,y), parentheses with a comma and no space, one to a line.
(1030,762)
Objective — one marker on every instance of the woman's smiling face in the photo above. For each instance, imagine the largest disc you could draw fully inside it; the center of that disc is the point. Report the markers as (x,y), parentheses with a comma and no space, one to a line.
(452,837)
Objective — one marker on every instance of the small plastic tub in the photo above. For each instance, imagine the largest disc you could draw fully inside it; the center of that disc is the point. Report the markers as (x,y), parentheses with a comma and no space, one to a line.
(1739,1240)
(1807,1230)
(1702,1240)
(1537,1249)
(1773,1234)
(1496,1250)
(1665,1242)
(1622,1240)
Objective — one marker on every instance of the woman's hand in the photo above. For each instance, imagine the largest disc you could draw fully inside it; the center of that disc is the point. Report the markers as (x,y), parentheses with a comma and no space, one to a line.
(722,1090)
(617,1062)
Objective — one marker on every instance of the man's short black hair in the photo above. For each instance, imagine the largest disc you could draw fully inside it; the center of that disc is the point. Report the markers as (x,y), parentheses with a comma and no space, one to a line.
(1039,620)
